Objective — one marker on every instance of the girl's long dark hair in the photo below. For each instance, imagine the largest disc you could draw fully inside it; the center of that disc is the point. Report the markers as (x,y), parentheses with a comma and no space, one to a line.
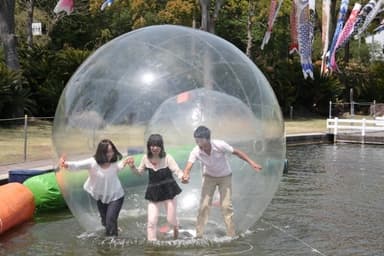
(155,140)
(101,152)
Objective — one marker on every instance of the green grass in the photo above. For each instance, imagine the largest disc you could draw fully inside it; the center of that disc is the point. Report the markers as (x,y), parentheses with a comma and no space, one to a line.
(39,141)
(305,126)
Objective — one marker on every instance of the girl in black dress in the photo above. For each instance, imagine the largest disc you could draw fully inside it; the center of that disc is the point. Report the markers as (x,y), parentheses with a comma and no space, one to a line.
(162,187)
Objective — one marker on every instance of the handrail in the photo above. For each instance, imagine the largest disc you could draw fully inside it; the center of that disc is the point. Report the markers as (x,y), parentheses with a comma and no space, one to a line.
(28,118)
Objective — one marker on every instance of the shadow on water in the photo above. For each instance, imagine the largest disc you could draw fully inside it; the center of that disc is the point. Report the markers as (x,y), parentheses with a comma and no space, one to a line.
(330,203)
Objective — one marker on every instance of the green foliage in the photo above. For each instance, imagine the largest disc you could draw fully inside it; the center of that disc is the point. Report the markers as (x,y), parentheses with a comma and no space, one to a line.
(366,81)
(118,19)
(178,12)
(1,54)
(15,96)
(48,77)
(375,88)
(291,89)
(232,18)
(69,39)
(39,15)
(75,31)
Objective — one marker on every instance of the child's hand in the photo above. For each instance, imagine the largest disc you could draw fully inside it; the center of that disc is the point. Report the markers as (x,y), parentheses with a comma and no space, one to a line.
(130,161)
(185,178)
(62,163)
(256,166)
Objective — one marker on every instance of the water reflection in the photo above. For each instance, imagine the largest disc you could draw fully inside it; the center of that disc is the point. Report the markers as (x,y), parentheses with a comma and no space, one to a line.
(330,203)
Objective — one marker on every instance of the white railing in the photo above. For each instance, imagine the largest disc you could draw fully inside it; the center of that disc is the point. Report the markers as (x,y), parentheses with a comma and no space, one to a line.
(335,125)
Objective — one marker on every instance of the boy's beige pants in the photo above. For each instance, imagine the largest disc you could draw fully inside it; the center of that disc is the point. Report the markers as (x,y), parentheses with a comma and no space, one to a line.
(209,185)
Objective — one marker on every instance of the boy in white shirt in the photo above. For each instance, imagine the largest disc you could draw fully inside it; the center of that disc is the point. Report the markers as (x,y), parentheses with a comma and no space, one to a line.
(216,171)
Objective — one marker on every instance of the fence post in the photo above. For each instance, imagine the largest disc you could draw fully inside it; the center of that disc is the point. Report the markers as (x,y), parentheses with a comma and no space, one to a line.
(330,109)
(25,136)
(335,130)
(352,106)
(374,109)
(363,132)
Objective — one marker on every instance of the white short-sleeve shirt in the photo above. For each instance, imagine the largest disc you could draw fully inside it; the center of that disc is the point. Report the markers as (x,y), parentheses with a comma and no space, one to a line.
(215,164)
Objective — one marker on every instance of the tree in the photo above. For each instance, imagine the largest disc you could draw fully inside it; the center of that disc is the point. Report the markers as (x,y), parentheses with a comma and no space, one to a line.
(208,21)
(251,14)
(30,5)
(179,12)
(7,33)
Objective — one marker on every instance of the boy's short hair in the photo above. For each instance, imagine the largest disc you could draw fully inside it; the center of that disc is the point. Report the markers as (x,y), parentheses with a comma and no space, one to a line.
(202,132)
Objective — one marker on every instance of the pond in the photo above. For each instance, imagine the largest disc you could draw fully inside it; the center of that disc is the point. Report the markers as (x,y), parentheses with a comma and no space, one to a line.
(330,203)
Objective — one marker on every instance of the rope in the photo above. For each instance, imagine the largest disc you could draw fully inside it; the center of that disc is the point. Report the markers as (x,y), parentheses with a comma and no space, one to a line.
(296,238)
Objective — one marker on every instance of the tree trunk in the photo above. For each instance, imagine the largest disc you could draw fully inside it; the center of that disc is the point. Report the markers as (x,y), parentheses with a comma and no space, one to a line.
(204,5)
(251,14)
(7,33)
(333,19)
(346,54)
(208,22)
(30,7)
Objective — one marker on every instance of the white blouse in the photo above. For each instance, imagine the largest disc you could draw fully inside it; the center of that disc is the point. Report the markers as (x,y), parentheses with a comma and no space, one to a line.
(102,184)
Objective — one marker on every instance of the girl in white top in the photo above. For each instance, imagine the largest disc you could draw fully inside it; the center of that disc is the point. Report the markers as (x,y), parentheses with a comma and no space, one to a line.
(103,183)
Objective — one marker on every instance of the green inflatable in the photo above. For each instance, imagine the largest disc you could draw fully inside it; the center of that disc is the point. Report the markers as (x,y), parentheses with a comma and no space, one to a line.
(46,192)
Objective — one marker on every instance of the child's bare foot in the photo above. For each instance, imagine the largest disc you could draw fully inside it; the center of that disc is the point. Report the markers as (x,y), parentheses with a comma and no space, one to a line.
(164,229)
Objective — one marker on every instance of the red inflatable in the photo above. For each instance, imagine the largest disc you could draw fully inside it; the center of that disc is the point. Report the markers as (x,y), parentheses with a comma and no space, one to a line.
(16,205)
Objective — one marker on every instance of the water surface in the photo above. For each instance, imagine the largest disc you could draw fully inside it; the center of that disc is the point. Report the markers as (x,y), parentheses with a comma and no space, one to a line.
(330,203)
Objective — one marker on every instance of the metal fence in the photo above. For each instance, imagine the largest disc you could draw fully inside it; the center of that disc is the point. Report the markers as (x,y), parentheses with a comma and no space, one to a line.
(25,139)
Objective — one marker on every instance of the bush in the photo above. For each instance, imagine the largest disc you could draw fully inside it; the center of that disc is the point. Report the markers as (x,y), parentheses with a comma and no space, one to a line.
(48,76)
(15,94)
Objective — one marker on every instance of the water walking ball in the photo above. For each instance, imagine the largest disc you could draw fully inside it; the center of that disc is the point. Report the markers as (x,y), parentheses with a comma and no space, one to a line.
(170,79)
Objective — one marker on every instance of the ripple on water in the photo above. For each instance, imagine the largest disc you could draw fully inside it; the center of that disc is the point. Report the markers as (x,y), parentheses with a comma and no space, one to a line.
(188,246)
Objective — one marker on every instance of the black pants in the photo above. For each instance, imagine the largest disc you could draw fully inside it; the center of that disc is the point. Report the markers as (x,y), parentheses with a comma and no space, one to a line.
(109,214)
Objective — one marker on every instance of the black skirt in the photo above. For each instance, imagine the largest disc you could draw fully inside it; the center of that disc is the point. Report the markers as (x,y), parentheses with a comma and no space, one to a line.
(161,185)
